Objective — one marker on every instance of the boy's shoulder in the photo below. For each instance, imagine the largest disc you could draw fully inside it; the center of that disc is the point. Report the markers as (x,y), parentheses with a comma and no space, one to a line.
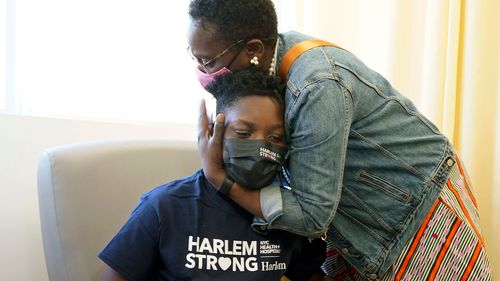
(186,187)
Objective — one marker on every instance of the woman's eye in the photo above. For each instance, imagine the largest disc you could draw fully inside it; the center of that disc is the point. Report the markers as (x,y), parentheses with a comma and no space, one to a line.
(208,63)
(201,61)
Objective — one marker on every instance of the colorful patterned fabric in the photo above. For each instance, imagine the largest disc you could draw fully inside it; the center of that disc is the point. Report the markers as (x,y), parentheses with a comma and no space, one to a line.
(447,246)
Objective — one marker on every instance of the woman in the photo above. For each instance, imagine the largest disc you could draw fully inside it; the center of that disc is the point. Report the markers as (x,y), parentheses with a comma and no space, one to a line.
(368,172)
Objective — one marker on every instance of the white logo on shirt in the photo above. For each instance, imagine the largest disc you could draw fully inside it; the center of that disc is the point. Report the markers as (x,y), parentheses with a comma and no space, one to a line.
(233,255)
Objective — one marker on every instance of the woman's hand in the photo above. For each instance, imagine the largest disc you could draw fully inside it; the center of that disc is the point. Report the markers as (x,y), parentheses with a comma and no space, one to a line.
(210,146)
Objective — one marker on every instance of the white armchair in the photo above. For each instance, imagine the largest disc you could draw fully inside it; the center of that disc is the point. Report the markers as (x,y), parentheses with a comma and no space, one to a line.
(87,191)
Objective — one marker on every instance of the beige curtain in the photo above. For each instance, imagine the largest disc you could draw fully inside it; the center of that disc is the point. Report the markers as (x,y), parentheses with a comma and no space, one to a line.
(445,56)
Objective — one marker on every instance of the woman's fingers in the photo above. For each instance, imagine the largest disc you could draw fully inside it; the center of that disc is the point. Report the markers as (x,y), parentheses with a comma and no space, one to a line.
(203,122)
(218,130)
(210,146)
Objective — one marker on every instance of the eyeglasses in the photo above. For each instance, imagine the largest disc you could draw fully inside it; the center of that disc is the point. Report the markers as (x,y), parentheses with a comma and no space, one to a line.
(203,63)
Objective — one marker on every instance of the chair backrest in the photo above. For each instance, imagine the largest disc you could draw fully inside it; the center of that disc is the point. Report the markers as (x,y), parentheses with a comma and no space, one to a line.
(87,191)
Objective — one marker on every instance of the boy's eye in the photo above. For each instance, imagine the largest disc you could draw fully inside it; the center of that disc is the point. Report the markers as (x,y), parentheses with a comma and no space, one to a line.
(242,134)
(276,138)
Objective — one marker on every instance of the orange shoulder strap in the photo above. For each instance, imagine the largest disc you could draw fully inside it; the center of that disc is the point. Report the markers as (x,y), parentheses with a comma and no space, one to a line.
(295,52)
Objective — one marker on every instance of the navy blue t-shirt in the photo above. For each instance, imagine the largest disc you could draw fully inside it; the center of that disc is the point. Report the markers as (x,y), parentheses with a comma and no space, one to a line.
(185,230)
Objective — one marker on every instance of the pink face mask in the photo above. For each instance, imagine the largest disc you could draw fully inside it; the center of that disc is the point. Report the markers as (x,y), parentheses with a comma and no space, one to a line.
(207,79)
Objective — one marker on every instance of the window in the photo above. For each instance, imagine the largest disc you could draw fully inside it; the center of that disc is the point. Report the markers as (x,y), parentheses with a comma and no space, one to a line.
(105,59)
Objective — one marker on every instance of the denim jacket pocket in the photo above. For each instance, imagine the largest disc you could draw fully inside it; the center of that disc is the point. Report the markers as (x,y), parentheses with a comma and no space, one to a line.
(385,186)
(375,204)
(362,213)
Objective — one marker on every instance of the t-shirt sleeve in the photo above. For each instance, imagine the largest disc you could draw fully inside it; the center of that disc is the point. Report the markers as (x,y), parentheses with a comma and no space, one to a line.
(133,252)
(306,260)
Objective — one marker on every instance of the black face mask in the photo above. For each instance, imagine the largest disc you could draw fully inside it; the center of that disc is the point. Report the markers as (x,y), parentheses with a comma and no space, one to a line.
(253,163)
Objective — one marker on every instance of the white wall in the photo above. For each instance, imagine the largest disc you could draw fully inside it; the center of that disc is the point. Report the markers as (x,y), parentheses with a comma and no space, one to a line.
(22,140)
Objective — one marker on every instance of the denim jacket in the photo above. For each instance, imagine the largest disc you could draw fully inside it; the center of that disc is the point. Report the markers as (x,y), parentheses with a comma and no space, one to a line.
(365,165)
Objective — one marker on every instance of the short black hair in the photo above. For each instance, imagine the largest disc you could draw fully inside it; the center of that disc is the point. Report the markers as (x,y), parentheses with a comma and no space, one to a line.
(236,20)
(229,88)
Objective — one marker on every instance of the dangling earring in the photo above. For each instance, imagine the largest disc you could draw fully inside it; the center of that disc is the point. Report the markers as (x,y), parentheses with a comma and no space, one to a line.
(254,61)
(272,65)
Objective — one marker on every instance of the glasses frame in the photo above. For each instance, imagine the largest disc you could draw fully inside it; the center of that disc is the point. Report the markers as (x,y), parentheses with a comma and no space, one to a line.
(204,64)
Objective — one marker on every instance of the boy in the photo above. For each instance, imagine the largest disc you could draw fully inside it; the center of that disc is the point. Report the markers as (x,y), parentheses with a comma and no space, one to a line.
(187,230)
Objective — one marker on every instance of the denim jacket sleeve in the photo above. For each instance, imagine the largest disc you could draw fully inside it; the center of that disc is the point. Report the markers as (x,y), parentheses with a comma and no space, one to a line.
(318,118)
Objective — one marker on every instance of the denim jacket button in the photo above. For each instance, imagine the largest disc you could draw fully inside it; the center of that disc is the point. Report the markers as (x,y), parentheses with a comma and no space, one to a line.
(373,276)
(450,162)
(344,251)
